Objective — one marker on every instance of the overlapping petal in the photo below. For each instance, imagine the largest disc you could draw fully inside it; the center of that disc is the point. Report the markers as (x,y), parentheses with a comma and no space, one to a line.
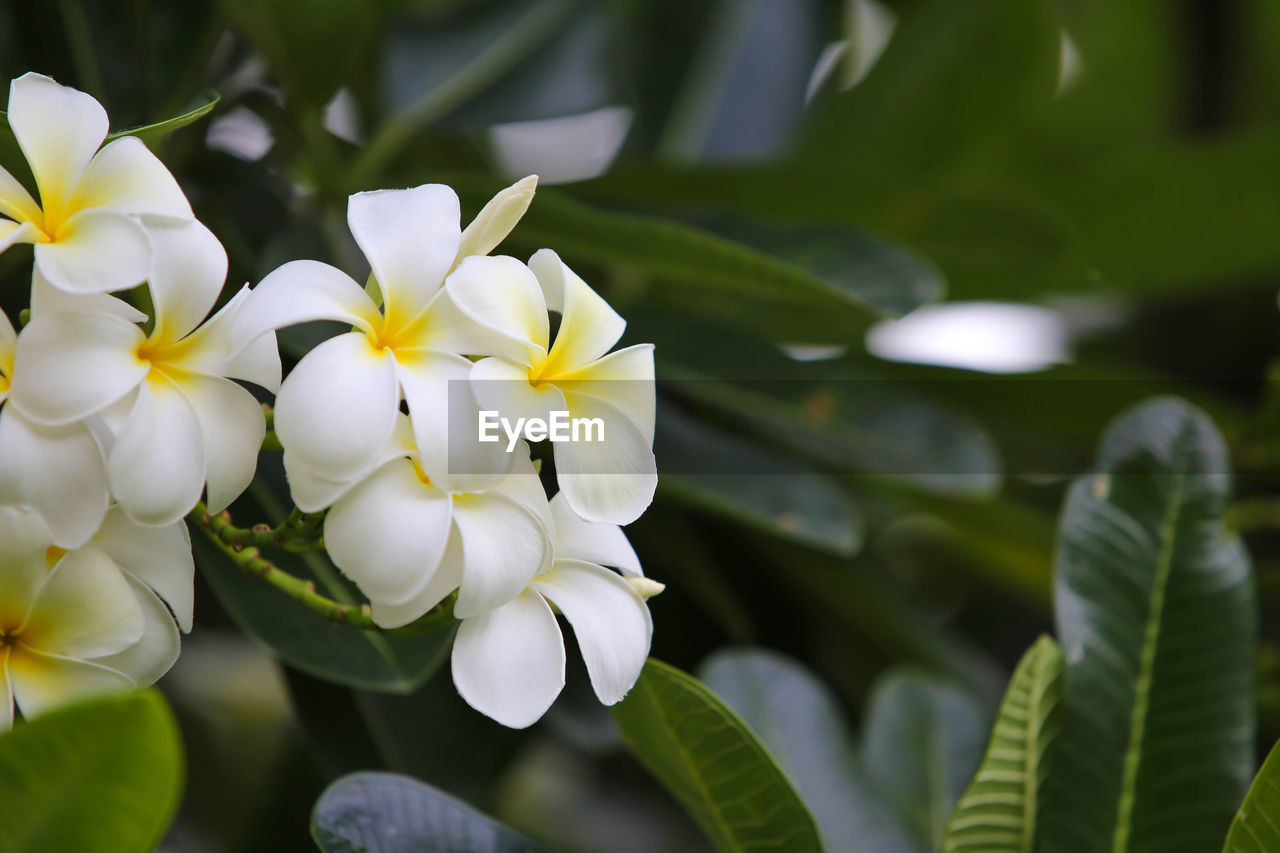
(588,327)
(623,379)
(60,471)
(157,649)
(95,251)
(160,557)
(59,129)
(24,541)
(232,426)
(85,609)
(300,292)
(592,542)
(502,295)
(502,548)
(157,464)
(503,386)
(188,267)
(126,177)
(42,682)
(609,481)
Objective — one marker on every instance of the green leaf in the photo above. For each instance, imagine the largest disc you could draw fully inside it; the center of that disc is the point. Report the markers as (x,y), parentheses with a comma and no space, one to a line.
(1000,810)
(921,744)
(713,764)
(1256,828)
(386,813)
(1156,613)
(150,133)
(800,721)
(105,775)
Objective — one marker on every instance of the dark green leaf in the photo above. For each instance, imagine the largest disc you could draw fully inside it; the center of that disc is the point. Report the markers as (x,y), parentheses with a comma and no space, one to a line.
(1156,613)
(1000,810)
(150,133)
(104,776)
(1256,828)
(708,758)
(386,813)
(799,720)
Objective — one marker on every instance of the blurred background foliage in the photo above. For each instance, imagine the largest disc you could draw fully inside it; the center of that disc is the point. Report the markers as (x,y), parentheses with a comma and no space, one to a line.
(754,184)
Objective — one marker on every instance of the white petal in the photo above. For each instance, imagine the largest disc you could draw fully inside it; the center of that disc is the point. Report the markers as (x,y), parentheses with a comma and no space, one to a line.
(45,299)
(59,129)
(592,541)
(84,610)
(24,541)
(588,328)
(95,251)
(59,471)
(492,225)
(14,232)
(188,268)
(509,664)
(442,581)
(389,532)
(502,295)
(157,466)
(16,202)
(503,386)
(445,421)
(125,176)
(624,380)
(502,549)
(610,620)
(232,425)
(336,411)
(442,326)
(312,491)
(410,238)
(43,682)
(612,480)
(156,651)
(299,292)
(213,349)
(160,557)
(69,365)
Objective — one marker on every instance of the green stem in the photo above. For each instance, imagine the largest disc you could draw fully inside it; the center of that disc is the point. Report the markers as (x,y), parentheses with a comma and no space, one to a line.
(297,533)
(539,24)
(251,562)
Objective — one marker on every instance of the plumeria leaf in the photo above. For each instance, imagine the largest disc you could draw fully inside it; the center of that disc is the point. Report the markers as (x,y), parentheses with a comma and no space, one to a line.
(1156,613)
(1256,828)
(714,765)
(104,776)
(386,813)
(1000,810)
(150,133)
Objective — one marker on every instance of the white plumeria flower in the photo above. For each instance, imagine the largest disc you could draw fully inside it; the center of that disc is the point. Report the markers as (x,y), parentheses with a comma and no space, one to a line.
(528,376)
(86,228)
(60,471)
(509,664)
(408,542)
(174,419)
(73,624)
(336,411)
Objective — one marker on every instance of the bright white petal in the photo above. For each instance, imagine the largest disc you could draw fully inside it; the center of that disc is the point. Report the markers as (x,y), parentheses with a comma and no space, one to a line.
(389,532)
(440,583)
(313,491)
(125,176)
(57,470)
(157,465)
(588,328)
(188,268)
(624,380)
(445,421)
(155,652)
(69,366)
(209,349)
(43,682)
(95,251)
(232,425)
(24,541)
(59,129)
(410,238)
(492,225)
(509,664)
(45,299)
(610,620)
(591,541)
(502,549)
(612,480)
(502,386)
(336,411)
(160,557)
(16,202)
(14,232)
(84,610)
(502,295)
(299,292)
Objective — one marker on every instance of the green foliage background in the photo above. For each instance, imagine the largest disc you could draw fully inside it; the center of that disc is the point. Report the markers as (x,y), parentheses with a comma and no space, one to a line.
(898,539)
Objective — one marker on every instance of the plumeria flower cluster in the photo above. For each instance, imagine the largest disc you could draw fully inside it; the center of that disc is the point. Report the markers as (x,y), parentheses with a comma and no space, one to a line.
(116,422)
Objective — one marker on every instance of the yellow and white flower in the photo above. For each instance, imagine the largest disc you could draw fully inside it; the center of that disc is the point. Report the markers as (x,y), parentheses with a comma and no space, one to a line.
(509,663)
(87,226)
(174,420)
(529,376)
(77,623)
